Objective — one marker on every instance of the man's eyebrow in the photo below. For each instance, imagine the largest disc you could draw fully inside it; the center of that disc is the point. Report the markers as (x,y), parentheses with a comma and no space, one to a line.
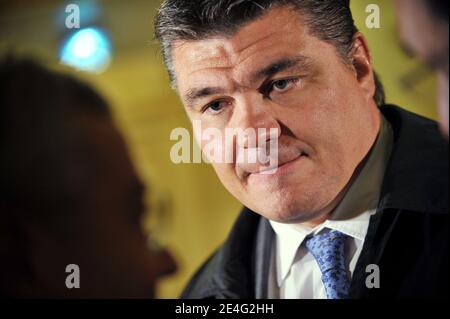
(192,95)
(280,66)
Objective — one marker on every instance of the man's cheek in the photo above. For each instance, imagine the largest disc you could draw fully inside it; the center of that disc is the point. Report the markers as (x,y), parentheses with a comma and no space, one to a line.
(212,146)
(229,179)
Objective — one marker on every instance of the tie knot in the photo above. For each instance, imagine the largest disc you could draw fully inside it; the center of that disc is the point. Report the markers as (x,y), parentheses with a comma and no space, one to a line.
(328,249)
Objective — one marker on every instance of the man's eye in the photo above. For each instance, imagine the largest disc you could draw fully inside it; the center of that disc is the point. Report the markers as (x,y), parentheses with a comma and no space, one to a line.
(215,107)
(283,85)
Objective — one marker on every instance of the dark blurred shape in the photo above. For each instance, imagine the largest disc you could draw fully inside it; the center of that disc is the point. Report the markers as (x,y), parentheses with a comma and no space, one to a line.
(69,193)
(439,8)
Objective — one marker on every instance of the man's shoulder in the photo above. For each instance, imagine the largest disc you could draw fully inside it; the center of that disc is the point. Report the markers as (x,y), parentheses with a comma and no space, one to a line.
(408,125)
(416,178)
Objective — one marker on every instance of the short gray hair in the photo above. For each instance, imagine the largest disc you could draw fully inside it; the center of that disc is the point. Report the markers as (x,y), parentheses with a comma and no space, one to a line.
(329,20)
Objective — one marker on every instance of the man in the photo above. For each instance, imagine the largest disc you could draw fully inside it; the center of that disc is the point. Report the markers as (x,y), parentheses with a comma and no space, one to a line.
(423,27)
(354,188)
(69,194)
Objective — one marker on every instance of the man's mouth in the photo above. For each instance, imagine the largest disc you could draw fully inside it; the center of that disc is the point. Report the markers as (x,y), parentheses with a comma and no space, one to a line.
(281,168)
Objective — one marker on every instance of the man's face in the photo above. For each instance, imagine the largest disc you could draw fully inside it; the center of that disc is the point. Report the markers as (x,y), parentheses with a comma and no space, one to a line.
(426,37)
(273,74)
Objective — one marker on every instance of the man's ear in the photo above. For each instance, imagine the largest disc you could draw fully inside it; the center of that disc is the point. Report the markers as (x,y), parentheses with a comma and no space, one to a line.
(362,64)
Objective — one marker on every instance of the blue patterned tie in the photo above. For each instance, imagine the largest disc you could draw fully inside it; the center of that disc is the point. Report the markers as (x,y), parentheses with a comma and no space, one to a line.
(328,250)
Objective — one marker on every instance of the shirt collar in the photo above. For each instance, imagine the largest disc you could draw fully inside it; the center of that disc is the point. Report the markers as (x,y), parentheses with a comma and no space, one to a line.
(290,237)
(288,240)
(352,215)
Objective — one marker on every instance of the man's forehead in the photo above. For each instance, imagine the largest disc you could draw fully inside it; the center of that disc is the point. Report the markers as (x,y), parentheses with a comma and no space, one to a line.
(202,53)
(281,25)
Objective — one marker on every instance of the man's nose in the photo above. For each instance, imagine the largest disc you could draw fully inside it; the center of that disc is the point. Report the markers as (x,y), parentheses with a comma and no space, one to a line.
(255,117)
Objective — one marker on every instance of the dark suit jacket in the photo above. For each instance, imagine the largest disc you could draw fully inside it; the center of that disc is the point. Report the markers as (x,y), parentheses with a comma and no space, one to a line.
(408,237)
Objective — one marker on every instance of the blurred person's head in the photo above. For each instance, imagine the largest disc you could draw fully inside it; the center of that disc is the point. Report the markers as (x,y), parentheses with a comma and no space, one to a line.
(423,26)
(297,66)
(69,193)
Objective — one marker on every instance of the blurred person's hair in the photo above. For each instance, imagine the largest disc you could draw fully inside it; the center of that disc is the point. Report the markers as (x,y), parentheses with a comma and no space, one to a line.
(45,158)
(329,20)
(40,138)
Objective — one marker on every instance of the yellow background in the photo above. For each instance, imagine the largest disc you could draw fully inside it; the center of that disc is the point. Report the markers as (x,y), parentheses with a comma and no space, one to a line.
(147,110)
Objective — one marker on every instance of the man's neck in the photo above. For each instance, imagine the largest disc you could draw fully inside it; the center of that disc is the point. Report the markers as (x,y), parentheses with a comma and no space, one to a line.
(370,167)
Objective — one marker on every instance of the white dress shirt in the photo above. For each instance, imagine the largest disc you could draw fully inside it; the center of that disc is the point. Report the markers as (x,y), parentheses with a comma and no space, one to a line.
(294,272)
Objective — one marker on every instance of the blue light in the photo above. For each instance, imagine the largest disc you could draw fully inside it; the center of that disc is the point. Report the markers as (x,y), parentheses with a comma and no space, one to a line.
(88,50)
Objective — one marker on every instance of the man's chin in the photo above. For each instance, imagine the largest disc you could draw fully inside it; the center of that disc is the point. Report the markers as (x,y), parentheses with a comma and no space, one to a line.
(285,214)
